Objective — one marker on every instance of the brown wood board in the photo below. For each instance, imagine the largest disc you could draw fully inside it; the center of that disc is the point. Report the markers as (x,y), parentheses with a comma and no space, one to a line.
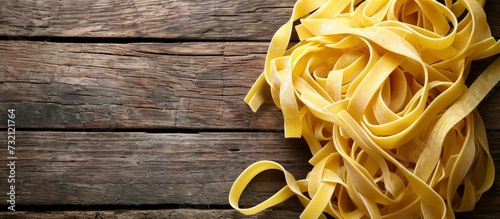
(189,20)
(194,19)
(129,168)
(98,87)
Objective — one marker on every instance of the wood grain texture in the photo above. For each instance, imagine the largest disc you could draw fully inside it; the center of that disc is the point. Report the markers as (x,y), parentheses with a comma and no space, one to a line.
(193,19)
(78,168)
(112,86)
(143,86)
(151,214)
(184,19)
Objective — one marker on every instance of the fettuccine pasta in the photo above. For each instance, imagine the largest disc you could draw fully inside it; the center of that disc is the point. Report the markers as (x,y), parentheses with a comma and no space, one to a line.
(377,89)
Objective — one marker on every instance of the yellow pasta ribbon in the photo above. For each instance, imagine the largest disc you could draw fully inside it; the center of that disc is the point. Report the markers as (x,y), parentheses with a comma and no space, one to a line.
(377,90)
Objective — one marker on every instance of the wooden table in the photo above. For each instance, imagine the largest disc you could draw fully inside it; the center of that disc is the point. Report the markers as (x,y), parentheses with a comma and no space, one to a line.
(134,108)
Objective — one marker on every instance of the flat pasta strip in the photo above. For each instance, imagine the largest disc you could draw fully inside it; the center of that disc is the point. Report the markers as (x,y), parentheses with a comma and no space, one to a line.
(377,90)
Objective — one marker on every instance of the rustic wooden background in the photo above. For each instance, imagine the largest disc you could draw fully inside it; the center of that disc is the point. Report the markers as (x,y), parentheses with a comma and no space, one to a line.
(134,108)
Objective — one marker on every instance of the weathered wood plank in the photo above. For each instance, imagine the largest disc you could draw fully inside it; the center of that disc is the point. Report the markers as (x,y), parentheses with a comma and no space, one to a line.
(78,168)
(111,86)
(127,86)
(150,214)
(81,168)
(193,19)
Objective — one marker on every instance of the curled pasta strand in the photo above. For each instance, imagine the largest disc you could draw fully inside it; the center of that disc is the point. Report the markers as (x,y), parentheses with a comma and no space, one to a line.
(377,90)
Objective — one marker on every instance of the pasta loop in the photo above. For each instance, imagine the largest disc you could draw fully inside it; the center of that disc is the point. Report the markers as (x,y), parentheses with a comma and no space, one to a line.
(377,89)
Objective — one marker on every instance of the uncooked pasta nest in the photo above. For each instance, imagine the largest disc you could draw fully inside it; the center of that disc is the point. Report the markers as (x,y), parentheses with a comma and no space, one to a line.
(376,88)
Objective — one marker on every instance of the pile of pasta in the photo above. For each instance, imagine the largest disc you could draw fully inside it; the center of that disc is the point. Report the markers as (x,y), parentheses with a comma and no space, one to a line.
(377,89)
